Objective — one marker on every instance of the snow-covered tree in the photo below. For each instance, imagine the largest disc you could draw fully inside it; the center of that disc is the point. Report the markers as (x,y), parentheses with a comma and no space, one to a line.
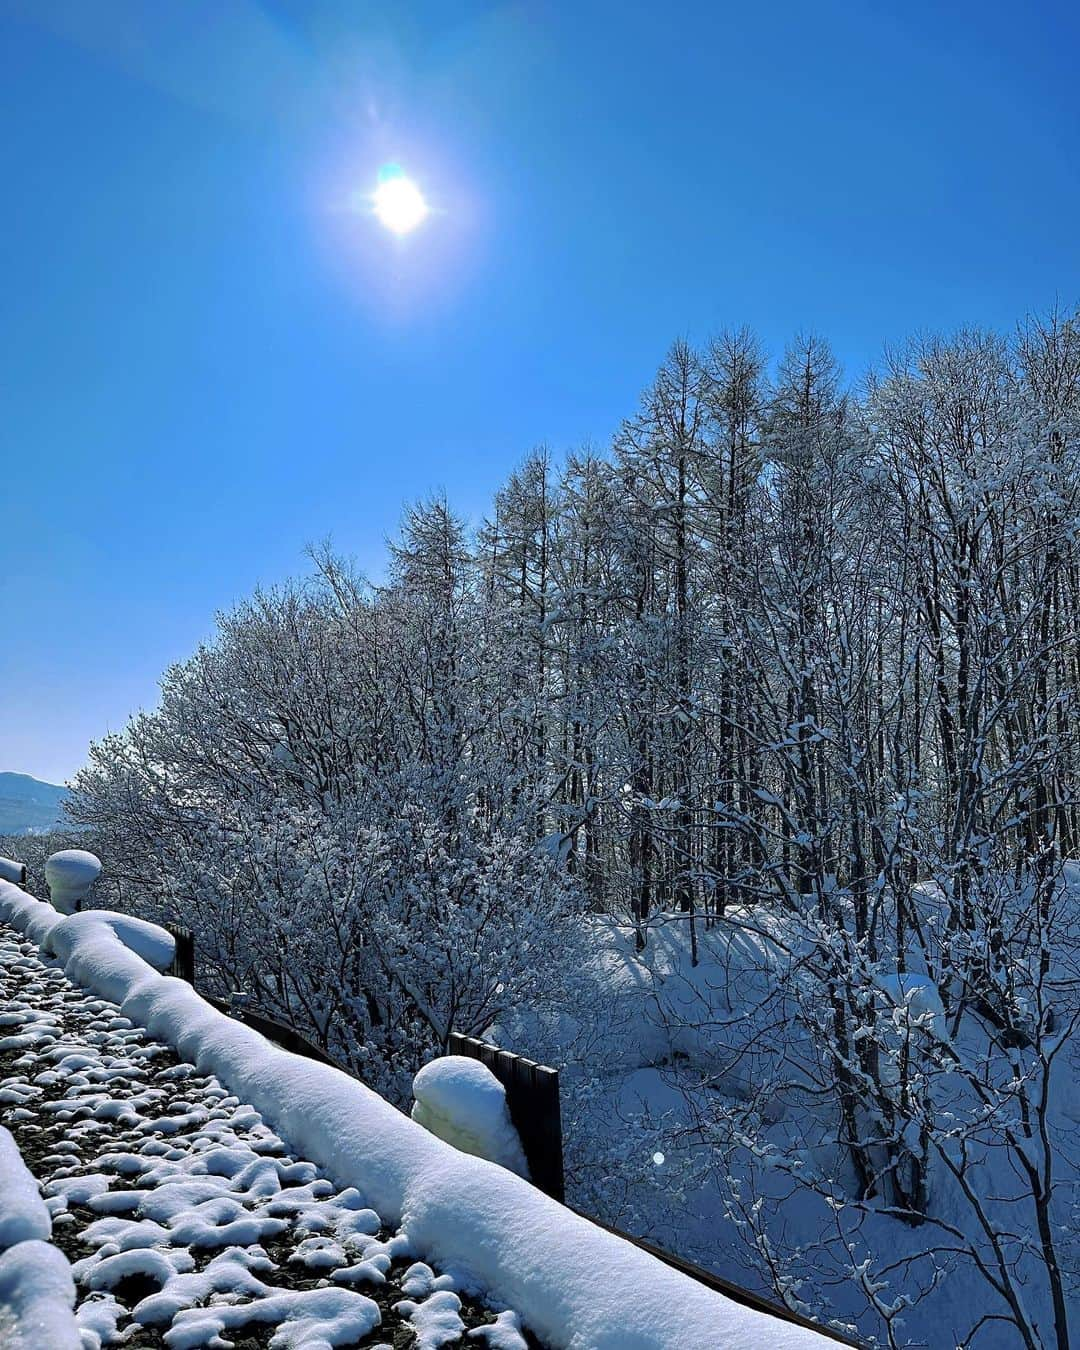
(791,673)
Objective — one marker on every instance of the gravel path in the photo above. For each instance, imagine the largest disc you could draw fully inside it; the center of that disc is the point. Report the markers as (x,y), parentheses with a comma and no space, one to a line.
(188,1222)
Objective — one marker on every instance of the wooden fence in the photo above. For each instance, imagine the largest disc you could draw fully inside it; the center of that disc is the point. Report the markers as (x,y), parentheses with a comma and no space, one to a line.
(281,1033)
(532,1096)
(183,962)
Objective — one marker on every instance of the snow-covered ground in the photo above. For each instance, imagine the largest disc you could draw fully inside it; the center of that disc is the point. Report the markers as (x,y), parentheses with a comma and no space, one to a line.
(184,1216)
(194,1215)
(663,1052)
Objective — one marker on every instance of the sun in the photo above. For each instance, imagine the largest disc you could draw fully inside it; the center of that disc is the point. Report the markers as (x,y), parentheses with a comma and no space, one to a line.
(398,202)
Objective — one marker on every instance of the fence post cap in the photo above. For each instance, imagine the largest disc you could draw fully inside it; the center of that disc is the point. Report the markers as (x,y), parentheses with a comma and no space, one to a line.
(459,1099)
(73,864)
(70,874)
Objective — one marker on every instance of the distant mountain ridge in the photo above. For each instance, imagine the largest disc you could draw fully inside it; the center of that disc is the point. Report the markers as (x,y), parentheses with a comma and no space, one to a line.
(29,806)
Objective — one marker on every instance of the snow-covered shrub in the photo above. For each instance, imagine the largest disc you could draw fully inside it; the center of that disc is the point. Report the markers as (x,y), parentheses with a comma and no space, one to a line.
(335,841)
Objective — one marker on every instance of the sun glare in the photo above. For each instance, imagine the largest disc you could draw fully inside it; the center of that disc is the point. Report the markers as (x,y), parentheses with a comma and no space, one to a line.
(398,202)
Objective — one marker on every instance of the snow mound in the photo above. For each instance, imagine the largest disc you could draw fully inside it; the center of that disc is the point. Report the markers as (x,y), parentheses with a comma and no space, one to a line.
(103,943)
(918,995)
(303,1317)
(37,1294)
(461,1101)
(70,874)
(577,1286)
(37,1291)
(23,1216)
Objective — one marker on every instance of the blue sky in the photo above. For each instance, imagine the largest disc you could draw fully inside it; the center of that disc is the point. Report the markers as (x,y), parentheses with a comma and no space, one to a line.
(210,358)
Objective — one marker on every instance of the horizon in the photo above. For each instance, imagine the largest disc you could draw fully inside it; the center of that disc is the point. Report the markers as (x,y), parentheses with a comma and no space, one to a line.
(215,356)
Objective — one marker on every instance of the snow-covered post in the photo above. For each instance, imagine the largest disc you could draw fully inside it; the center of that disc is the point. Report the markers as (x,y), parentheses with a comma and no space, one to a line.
(462,1102)
(70,875)
(13,871)
(532,1098)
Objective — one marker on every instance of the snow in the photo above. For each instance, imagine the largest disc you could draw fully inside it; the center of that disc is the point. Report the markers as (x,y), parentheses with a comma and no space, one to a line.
(436,1321)
(13,871)
(228,1273)
(420,1280)
(919,995)
(306,1318)
(36,1297)
(97,1320)
(675,1022)
(572,1283)
(502,1334)
(37,1292)
(156,1265)
(70,874)
(460,1100)
(23,1216)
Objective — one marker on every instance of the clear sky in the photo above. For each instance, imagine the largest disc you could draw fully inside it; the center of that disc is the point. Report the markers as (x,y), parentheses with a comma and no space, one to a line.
(209,357)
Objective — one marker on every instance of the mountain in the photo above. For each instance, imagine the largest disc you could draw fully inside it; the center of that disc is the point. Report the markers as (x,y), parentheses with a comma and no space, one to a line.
(28,806)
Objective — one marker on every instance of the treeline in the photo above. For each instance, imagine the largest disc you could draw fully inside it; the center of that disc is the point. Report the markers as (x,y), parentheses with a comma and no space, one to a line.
(786,645)
(793,658)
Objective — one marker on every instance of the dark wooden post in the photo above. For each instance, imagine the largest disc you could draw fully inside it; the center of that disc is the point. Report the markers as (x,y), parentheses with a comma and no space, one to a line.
(532,1097)
(183,962)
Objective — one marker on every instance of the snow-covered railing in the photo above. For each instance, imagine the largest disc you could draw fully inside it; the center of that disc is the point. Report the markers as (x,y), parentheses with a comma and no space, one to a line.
(532,1096)
(532,1090)
(13,871)
(575,1285)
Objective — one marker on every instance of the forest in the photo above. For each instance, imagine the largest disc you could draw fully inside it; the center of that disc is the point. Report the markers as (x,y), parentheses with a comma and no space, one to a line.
(743,756)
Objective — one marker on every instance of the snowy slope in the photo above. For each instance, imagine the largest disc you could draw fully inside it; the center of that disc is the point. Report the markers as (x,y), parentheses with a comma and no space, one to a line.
(668,1050)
